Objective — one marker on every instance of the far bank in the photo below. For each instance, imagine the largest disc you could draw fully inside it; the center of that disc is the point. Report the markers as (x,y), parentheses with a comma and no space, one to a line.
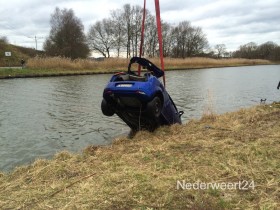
(57,66)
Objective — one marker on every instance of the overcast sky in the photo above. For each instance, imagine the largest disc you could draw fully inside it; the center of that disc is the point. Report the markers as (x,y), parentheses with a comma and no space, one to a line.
(229,22)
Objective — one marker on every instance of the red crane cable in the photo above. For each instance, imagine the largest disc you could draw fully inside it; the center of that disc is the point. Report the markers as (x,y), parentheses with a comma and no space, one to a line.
(159,36)
(142,35)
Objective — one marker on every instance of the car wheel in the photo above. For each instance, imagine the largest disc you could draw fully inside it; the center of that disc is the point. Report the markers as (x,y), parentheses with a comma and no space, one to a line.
(155,107)
(107,109)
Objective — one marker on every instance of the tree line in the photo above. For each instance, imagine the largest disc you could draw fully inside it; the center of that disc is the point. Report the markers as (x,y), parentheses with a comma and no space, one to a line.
(268,50)
(120,35)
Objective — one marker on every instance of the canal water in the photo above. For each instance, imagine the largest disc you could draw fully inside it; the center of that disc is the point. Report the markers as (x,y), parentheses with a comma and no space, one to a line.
(42,116)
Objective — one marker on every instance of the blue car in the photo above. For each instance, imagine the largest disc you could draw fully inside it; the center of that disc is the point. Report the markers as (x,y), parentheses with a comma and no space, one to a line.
(140,101)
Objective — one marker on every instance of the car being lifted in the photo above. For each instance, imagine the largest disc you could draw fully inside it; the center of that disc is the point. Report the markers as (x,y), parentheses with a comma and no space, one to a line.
(141,102)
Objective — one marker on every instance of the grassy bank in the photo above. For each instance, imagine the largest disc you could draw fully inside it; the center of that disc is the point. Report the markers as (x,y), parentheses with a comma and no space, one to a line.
(63,66)
(142,173)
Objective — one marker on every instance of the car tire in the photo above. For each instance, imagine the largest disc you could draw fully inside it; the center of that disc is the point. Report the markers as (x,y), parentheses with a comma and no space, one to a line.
(107,109)
(154,107)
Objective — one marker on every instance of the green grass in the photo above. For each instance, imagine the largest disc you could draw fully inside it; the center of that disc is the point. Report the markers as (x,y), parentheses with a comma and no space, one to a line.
(142,173)
(17,52)
(27,72)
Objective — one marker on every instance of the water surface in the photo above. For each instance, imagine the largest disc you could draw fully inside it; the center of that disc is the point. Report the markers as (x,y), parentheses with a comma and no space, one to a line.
(42,116)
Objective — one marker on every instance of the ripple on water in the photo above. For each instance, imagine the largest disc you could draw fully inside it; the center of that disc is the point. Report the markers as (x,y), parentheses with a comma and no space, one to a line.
(42,116)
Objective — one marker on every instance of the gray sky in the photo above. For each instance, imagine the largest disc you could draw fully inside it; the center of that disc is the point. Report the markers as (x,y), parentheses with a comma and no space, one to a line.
(229,22)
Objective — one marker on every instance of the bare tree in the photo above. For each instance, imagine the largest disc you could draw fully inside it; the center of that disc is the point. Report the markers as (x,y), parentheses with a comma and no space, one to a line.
(267,50)
(248,50)
(119,30)
(220,49)
(66,36)
(101,37)
(127,16)
(180,39)
(132,16)
(198,42)
(188,40)
(123,32)
(137,24)
(150,43)
(168,38)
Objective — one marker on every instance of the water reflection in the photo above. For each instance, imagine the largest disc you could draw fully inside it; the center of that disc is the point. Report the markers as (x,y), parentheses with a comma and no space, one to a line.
(41,116)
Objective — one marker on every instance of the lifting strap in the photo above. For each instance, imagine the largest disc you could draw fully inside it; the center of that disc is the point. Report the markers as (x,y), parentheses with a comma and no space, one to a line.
(159,37)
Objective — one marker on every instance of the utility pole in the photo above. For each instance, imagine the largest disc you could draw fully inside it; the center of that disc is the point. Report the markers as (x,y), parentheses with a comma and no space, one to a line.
(36,39)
